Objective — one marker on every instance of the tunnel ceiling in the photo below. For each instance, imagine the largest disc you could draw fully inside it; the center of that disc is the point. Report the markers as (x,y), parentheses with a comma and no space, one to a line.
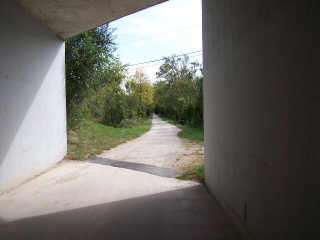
(68,18)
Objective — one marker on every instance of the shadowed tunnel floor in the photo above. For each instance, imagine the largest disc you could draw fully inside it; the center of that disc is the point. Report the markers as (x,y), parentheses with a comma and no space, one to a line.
(189,213)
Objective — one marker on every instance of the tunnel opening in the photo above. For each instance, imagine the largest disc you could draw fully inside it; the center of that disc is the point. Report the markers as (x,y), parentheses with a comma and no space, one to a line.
(130,78)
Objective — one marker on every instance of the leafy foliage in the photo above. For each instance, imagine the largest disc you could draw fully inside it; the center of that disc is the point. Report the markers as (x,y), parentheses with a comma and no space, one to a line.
(178,94)
(94,82)
(87,57)
(140,94)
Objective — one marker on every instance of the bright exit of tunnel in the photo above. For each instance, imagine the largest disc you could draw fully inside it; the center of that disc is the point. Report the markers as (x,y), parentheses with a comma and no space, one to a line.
(136,70)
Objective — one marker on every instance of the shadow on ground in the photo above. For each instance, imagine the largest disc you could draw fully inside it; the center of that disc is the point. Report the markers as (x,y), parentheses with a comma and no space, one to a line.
(189,213)
(141,167)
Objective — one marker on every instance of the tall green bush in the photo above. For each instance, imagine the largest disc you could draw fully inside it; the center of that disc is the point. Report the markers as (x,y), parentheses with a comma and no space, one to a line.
(178,94)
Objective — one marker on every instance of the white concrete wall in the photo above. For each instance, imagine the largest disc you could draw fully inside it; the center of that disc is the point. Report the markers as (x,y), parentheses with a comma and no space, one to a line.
(32,96)
(262,113)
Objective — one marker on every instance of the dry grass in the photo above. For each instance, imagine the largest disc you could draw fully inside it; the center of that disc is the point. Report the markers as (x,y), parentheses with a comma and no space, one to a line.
(191,162)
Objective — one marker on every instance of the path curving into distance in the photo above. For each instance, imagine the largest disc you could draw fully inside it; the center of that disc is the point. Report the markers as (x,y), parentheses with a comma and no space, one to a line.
(158,147)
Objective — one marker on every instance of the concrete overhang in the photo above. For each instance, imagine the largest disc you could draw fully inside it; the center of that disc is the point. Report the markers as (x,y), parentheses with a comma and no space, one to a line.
(68,18)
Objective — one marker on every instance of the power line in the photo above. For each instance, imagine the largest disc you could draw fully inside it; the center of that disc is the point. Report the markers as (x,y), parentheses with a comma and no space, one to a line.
(158,60)
(147,65)
(157,64)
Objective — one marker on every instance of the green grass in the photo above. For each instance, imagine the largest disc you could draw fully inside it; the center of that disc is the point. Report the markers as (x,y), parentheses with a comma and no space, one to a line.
(187,131)
(191,133)
(91,138)
(194,173)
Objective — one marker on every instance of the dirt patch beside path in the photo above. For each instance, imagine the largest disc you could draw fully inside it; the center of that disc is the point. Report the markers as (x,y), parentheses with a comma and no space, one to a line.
(193,155)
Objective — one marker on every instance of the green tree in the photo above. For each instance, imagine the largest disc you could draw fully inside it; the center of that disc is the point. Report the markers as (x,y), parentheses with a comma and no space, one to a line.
(87,57)
(93,76)
(140,92)
(178,93)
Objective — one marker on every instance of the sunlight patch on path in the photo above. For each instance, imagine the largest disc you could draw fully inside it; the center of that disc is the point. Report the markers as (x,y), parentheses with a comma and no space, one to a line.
(75,184)
(159,147)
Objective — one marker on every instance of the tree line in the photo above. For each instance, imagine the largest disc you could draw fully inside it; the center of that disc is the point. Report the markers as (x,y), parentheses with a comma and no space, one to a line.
(95,79)
(178,94)
(98,86)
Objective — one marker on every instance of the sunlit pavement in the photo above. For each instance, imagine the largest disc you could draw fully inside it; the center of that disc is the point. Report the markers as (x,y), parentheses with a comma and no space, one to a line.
(77,184)
(159,147)
(111,199)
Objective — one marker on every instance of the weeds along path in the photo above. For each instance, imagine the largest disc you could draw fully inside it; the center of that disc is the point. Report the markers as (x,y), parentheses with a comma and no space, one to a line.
(159,147)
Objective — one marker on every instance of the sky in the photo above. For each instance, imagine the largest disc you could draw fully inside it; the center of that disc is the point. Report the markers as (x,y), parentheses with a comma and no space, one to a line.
(173,27)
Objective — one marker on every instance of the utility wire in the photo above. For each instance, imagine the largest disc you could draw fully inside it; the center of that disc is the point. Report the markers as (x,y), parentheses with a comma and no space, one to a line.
(158,60)
(149,65)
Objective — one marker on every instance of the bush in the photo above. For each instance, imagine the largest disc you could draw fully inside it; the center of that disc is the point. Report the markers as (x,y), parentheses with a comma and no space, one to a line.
(77,115)
(131,123)
(128,123)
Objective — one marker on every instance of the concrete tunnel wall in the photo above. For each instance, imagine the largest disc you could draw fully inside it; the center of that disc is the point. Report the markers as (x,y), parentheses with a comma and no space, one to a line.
(262,113)
(32,96)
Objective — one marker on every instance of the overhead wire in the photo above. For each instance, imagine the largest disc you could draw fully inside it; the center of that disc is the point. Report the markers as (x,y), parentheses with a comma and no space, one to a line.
(161,59)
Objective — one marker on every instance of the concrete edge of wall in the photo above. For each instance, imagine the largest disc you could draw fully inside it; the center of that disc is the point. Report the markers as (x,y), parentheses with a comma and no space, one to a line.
(240,227)
(25,179)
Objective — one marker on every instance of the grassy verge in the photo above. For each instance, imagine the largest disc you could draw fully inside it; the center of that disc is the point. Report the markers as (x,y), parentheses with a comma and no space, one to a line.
(196,135)
(191,133)
(194,173)
(187,131)
(91,138)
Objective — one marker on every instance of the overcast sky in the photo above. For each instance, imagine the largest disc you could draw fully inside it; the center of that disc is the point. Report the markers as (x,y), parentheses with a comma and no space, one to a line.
(173,27)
